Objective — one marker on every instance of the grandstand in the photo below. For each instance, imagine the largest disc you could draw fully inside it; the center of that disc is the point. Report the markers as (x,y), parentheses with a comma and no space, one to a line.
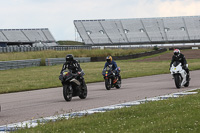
(23,37)
(162,30)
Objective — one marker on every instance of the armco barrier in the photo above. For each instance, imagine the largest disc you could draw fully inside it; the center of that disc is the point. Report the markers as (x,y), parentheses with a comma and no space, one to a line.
(96,59)
(55,61)
(5,65)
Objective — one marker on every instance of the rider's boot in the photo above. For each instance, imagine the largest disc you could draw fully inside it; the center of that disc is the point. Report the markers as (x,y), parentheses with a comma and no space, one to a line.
(83,83)
(188,77)
(115,80)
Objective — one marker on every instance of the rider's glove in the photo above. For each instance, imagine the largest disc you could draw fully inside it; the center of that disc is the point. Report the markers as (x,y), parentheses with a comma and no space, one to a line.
(184,66)
(60,77)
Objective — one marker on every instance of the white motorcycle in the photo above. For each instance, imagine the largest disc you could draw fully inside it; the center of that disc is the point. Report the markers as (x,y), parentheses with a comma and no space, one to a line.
(179,75)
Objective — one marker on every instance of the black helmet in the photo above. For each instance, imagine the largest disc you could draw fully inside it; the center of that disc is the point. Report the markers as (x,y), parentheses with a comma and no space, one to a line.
(109,58)
(69,58)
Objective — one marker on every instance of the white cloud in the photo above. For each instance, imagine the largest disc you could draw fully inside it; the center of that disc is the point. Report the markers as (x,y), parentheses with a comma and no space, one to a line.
(179,8)
(58,15)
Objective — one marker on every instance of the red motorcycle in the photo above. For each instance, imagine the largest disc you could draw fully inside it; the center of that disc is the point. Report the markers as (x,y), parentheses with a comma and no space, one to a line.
(111,78)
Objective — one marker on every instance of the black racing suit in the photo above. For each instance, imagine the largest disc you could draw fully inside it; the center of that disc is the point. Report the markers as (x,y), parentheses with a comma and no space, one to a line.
(180,58)
(74,67)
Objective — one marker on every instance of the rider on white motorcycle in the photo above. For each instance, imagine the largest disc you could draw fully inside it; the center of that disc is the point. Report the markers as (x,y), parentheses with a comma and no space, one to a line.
(178,56)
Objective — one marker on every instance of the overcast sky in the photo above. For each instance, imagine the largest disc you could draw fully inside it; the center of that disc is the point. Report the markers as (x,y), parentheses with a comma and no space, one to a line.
(58,15)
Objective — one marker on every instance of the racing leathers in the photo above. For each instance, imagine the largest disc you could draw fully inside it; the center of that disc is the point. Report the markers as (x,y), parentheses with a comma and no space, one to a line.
(112,64)
(74,67)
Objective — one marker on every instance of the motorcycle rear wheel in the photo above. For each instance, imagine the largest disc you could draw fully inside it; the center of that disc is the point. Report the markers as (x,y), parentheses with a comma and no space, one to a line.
(177,79)
(67,92)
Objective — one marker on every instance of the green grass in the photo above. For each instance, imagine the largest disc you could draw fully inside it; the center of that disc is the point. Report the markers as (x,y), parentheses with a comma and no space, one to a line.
(47,76)
(70,43)
(180,115)
(62,54)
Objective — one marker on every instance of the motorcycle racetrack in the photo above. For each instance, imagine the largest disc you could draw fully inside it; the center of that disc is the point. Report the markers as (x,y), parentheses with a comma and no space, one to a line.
(22,106)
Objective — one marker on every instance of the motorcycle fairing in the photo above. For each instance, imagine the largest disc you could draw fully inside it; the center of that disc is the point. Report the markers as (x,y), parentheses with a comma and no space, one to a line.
(179,70)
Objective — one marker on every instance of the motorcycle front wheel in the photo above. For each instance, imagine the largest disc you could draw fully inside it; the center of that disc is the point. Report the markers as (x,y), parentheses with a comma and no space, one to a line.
(177,80)
(67,92)
(108,83)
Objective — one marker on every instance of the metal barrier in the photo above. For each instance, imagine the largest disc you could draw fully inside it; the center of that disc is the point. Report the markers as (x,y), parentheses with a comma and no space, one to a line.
(55,61)
(5,65)
(27,49)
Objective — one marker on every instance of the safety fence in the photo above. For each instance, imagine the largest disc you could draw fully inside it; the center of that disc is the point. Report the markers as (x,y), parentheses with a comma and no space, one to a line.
(5,65)
(28,49)
(55,61)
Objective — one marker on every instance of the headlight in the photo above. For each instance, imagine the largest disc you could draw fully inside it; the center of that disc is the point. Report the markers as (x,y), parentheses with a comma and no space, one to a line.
(65,73)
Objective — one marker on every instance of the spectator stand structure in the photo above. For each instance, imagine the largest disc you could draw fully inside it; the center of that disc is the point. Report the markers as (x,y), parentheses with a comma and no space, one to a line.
(163,30)
(26,37)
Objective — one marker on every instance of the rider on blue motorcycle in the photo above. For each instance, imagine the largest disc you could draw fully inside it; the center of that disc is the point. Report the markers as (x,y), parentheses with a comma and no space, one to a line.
(115,69)
(111,63)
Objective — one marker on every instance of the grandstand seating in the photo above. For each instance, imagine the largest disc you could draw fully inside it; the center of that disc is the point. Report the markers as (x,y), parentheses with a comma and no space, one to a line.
(15,36)
(27,36)
(3,38)
(161,30)
(193,26)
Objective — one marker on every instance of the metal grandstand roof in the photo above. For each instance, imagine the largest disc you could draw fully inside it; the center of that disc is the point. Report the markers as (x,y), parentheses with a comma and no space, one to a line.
(182,29)
(26,36)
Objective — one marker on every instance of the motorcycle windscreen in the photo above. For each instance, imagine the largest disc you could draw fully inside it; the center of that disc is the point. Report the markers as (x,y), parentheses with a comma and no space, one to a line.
(176,63)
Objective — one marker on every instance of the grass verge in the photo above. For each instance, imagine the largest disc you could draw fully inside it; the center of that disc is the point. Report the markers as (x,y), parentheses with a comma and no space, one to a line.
(178,115)
(70,43)
(62,54)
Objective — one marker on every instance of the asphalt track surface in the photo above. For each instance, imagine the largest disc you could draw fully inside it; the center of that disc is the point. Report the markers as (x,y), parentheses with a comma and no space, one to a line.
(22,106)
